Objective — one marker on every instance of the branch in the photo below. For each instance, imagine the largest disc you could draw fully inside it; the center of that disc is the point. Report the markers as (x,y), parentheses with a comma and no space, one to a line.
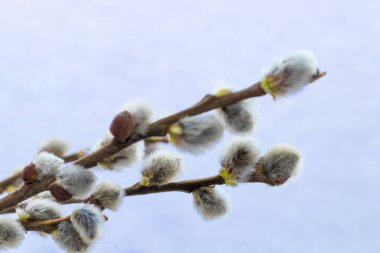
(4,184)
(187,186)
(158,128)
(47,226)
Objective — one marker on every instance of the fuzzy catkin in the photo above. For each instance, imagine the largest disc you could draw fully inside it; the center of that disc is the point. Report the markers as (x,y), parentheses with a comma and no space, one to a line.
(209,203)
(11,233)
(87,220)
(47,164)
(290,73)
(280,163)
(238,117)
(69,239)
(239,158)
(160,167)
(40,209)
(78,181)
(108,194)
(55,146)
(198,133)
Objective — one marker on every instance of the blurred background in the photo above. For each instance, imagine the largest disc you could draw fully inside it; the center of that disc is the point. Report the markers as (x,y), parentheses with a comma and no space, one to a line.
(66,67)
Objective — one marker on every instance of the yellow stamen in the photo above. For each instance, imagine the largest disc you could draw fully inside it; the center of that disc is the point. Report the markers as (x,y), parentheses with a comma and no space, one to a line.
(268,86)
(23,216)
(54,234)
(175,130)
(145,181)
(10,188)
(222,92)
(229,178)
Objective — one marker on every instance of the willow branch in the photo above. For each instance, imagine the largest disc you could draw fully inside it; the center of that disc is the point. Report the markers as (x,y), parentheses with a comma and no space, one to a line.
(160,127)
(187,186)
(4,184)
(47,226)
(10,181)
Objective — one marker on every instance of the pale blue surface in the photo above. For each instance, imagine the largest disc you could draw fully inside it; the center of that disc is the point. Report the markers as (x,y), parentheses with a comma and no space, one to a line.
(67,66)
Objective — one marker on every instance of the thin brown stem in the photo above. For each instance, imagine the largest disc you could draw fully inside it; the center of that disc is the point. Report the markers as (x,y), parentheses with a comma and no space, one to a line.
(187,186)
(47,226)
(160,127)
(10,181)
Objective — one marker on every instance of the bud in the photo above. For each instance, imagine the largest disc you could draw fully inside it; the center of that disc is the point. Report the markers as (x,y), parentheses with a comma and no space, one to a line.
(279,164)
(55,146)
(58,192)
(11,233)
(209,203)
(47,165)
(237,117)
(39,209)
(291,73)
(196,133)
(238,161)
(141,114)
(29,174)
(160,167)
(124,158)
(122,126)
(76,180)
(87,220)
(68,238)
(108,194)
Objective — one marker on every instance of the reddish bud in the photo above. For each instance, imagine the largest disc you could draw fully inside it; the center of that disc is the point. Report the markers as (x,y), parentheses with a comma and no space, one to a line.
(29,174)
(59,192)
(122,126)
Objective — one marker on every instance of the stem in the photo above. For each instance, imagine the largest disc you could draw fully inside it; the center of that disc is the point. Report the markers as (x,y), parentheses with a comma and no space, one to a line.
(47,226)
(4,184)
(187,186)
(160,127)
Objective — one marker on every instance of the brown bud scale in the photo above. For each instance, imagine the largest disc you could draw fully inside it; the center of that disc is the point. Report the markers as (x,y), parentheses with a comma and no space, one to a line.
(122,126)
(29,174)
(59,192)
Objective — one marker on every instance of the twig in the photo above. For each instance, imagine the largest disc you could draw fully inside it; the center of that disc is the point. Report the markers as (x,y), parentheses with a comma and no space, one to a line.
(47,226)
(158,128)
(187,186)
(4,184)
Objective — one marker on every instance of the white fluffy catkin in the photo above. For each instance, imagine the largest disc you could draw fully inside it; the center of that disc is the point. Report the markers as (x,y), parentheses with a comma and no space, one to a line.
(280,163)
(76,180)
(40,209)
(87,220)
(160,167)
(47,164)
(209,203)
(55,146)
(124,158)
(238,160)
(11,233)
(108,194)
(290,73)
(141,114)
(196,133)
(237,117)
(69,239)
